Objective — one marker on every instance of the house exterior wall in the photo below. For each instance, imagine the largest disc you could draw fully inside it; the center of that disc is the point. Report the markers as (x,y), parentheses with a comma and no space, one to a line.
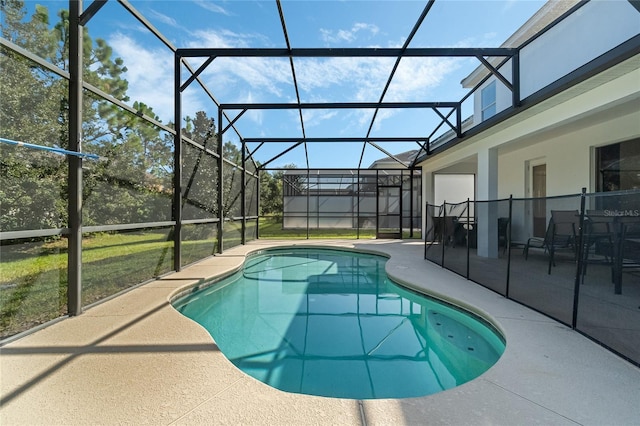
(591,31)
(568,158)
(564,133)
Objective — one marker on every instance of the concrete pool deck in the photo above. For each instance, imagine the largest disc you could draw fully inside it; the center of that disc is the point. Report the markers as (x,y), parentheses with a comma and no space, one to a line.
(135,360)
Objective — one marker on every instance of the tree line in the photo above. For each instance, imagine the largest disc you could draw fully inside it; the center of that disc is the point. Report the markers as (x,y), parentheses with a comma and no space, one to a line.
(132,183)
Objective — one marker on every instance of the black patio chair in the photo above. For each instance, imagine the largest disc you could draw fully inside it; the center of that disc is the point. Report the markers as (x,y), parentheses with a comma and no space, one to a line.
(538,242)
(565,229)
(444,229)
(597,239)
(503,232)
(629,249)
(560,235)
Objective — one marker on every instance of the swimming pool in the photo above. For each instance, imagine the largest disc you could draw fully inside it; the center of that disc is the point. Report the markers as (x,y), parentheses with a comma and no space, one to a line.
(331,323)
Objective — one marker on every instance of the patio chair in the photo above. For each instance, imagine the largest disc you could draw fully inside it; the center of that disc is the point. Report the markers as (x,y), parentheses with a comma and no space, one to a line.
(597,239)
(565,228)
(444,229)
(628,259)
(560,235)
(503,232)
(538,242)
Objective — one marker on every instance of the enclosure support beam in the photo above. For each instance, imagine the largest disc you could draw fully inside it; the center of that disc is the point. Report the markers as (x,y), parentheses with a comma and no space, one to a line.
(407,41)
(197,73)
(93,8)
(377,202)
(357,52)
(308,201)
(495,72)
(177,169)
(358,206)
(410,203)
(515,77)
(258,207)
(341,105)
(243,201)
(74,290)
(334,140)
(220,182)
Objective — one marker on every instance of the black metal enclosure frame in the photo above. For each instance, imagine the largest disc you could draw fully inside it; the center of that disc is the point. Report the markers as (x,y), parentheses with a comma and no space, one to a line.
(448,111)
(449,107)
(444,109)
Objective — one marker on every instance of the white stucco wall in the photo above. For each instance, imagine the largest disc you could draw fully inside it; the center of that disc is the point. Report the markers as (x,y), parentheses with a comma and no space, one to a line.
(567,156)
(594,29)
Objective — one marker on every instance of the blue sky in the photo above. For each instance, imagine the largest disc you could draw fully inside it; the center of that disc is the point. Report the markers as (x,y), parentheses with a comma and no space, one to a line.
(256,24)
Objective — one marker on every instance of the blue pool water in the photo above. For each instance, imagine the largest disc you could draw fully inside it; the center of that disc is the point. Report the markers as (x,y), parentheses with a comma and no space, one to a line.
(330,323)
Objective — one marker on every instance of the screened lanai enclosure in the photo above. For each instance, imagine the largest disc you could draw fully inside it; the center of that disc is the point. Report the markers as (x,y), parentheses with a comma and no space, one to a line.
(387,201)
(135,142)
(102,191)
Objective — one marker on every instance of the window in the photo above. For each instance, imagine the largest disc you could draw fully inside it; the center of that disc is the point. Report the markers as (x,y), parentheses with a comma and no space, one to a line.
(618,166)
(618,169)
(488,101)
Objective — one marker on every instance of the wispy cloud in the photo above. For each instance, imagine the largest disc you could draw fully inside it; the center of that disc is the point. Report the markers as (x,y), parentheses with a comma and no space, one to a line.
(264,75)
(508,4)
(359,75)
(331,80)
(348,35)
(224,38)
(257,116)
(314,118)
(247,80)
(155,15)
(416,77)
(212,7)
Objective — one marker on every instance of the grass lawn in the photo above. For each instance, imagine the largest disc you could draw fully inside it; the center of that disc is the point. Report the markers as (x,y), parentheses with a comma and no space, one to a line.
(33,278)
(271,228)
(33,275)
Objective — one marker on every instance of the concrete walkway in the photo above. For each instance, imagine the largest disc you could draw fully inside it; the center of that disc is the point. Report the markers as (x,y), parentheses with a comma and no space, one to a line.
(135,360)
